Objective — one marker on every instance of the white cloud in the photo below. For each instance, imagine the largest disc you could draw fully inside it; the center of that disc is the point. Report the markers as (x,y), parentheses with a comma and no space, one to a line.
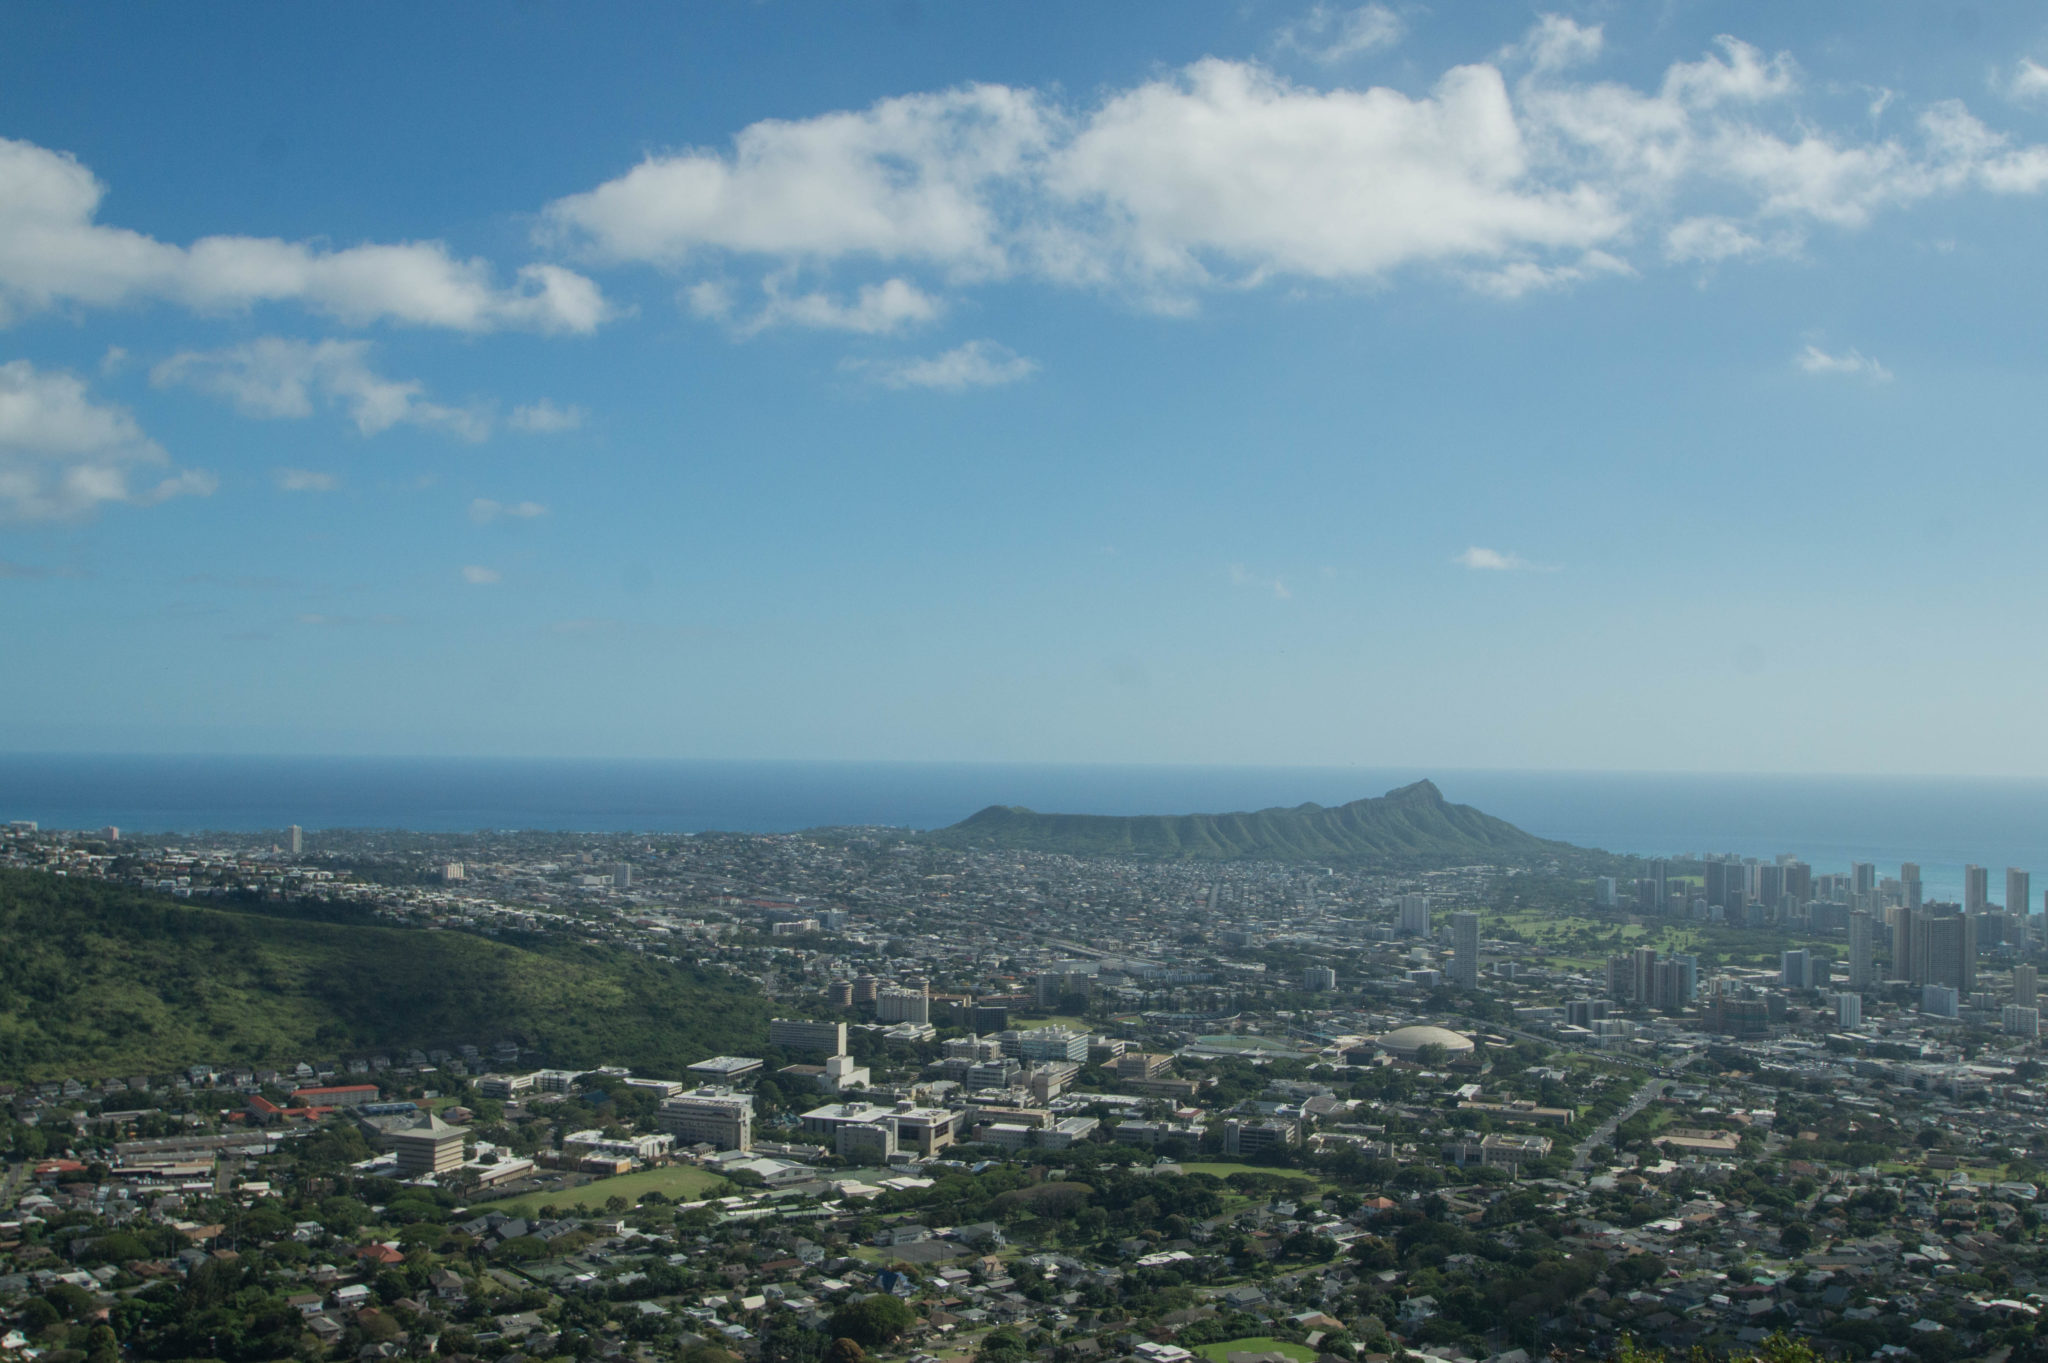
(1556,42)
(53,253)
(1494,561)
(545,418)
(62,455)
(1852,363)
(2029,80)
(275,376)
(483,510)
(306,480)
(1224,174)
(906,179)
(476,575)
(1708,240)
(977,364)
(1330,33)
(878,309)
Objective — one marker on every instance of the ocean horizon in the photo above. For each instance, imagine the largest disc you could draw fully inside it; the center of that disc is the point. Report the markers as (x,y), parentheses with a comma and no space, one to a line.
(1829,821)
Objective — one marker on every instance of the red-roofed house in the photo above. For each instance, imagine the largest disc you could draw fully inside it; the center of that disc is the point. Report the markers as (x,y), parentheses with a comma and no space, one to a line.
(338,1095)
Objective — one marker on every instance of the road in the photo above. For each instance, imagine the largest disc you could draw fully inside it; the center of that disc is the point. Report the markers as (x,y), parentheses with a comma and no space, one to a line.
(1649,1093)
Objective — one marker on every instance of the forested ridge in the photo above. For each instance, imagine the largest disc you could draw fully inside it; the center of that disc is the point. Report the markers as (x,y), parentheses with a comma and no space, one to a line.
(99,979)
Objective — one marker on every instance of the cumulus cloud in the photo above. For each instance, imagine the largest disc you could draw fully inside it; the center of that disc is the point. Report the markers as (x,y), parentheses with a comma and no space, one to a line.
(545,418)
(1508,175)
(2029,80)
(305,480)
(977,364)
(277,377)
(63,456)
(476,575)
(1331,33)
(53,252)
(1851,363)
(483,510)
(1495,561)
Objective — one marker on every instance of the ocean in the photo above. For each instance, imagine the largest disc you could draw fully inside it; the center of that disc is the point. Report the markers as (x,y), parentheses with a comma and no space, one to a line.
(1828,821)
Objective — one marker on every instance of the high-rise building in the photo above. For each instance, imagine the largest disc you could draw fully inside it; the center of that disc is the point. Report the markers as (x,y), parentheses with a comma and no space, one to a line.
(1770,885)
(1795,970)
(295,837)
(2021,1021)
(1677,983)
(1848,1010)
(1909,884)
(1717,884)
(1862,950)
(1603,892)
(2026,984)
(1415,915)
(1643,976)
(622,875)
(1465,950)
(1945,948)
(1319,979)
(1799,881)
(1976,888)
(2018,890)
(1658,877)
(865,987)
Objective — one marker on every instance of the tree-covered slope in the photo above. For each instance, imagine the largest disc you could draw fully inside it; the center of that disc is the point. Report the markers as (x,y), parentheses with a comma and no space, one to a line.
(97,979)
(1414,823)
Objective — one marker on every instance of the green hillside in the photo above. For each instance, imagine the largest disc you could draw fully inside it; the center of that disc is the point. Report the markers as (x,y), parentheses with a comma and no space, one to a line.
(99,980)
(1412,824)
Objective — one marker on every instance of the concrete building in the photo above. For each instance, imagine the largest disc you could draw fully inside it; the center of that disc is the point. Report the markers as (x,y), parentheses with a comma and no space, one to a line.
(1242,1138)
(1909,884)
(2026,984)
(723,1069)
(1976,888)
(2021,1021)
(1938,1000)
(1415,915)
(709,1116)
(1795,969)
(295,839)
(622,875)
(1042,1044)
(928,1129)
(1465,950)
(1862,950)
(1319,979)
(429,1147)
(896,1004)
(825,1038)
(1848,1011)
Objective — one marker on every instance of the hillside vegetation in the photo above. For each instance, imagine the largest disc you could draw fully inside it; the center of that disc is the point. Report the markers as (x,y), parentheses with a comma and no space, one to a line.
(1412,824)
(98,980)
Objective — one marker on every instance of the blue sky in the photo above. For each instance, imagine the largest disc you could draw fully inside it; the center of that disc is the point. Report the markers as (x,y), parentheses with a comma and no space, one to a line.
(1606,387)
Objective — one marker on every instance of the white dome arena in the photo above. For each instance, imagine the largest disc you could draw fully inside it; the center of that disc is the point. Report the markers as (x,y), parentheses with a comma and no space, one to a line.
(1406,1043)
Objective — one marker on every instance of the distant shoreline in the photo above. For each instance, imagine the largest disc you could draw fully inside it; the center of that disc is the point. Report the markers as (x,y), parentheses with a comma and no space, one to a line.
(1829,821)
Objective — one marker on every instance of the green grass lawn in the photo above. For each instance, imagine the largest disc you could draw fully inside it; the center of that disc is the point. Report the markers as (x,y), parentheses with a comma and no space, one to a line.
(678,1183)
(1224,1169)
(1257,1344)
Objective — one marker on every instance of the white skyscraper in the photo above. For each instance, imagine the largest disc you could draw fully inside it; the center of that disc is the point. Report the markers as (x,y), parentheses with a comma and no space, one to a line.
(296,836)
(1465,950)
(1415,915)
